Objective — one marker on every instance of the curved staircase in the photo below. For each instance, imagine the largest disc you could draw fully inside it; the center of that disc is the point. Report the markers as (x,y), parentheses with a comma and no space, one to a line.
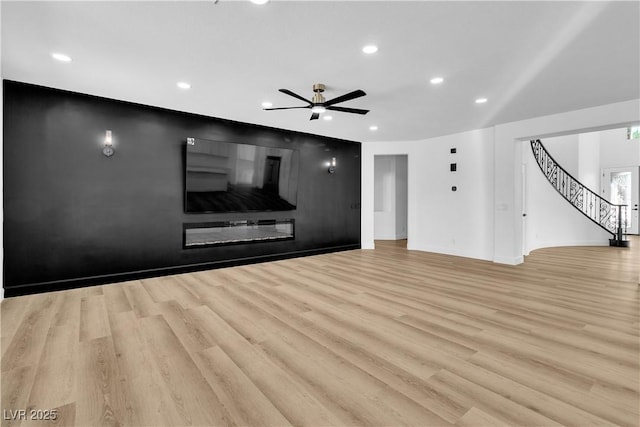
(606,215)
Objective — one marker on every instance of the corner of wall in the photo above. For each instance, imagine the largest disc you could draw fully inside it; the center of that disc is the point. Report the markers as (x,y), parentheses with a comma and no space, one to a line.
(509,260)
(369,245)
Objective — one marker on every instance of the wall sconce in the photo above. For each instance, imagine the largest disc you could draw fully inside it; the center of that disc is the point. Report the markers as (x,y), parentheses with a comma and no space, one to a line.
(108,144)
(332,165)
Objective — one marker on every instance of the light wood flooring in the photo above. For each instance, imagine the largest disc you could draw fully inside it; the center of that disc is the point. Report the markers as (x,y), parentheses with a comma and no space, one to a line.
(385,337)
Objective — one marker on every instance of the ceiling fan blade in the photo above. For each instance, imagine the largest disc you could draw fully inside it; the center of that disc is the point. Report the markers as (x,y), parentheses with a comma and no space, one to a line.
(285,108)
(315,116)
(348,110)
(295,95)
(346,97)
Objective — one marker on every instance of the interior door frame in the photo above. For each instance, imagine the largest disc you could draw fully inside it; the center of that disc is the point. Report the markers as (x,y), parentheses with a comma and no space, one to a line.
(405,156)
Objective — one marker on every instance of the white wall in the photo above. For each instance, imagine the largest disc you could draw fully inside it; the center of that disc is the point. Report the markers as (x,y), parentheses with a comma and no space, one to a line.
(483,219)
(589,160)
(440,220)
(617,151)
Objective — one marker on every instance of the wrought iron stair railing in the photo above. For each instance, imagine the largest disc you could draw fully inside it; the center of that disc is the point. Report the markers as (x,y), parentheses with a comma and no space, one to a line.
(608,216)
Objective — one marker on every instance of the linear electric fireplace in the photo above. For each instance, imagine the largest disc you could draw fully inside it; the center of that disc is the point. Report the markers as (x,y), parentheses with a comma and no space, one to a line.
(197,235)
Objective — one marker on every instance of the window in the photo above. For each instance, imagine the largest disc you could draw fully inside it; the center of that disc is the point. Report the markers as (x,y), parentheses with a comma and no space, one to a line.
(633,132)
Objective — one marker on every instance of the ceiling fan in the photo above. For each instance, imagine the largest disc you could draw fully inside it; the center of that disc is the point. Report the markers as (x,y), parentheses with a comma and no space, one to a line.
(319,105)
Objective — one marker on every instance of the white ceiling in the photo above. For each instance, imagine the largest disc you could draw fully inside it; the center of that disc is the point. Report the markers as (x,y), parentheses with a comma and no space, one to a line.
(528,58)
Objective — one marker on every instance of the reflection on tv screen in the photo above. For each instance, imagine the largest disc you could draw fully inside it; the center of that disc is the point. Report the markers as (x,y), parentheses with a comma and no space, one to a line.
(230,177)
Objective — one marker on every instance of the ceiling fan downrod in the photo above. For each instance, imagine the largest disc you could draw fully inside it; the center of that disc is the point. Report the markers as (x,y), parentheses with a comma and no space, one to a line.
(318,88)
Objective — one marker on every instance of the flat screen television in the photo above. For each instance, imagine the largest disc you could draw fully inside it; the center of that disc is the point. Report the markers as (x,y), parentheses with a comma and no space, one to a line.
(233,177)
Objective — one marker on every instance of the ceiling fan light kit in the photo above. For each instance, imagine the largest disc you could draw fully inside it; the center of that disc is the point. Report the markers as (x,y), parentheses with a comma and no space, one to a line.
(319,104)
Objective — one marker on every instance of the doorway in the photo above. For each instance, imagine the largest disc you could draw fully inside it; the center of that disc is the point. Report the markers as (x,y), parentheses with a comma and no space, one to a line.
(272,175)
(621,186)
(390,198)
(523,195)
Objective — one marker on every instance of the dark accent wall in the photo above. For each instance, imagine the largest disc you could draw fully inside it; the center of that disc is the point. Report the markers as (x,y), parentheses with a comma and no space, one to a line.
(73,217)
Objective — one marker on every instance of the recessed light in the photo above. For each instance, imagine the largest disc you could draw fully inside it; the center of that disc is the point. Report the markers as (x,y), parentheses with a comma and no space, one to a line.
(327,118)
(61,57)
(183,85)
(259,1)
(374,127)
(481,100)
(436,80)
(267,104)
(370,48)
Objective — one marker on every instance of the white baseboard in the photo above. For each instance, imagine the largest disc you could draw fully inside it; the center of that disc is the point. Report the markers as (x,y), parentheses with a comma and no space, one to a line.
(449,251)
(367,245)
(541,245)
(388,237)
(509,260)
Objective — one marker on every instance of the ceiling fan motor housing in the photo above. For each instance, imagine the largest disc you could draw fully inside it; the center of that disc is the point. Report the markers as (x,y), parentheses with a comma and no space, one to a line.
(318,88)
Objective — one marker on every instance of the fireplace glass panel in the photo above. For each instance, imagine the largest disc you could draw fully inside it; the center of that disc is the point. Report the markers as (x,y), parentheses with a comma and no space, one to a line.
(237,232)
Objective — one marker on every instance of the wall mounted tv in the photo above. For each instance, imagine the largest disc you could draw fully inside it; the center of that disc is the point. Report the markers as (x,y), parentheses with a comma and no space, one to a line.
(232,177)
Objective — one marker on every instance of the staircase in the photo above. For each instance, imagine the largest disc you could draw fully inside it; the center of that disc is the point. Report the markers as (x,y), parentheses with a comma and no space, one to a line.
(606,215)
